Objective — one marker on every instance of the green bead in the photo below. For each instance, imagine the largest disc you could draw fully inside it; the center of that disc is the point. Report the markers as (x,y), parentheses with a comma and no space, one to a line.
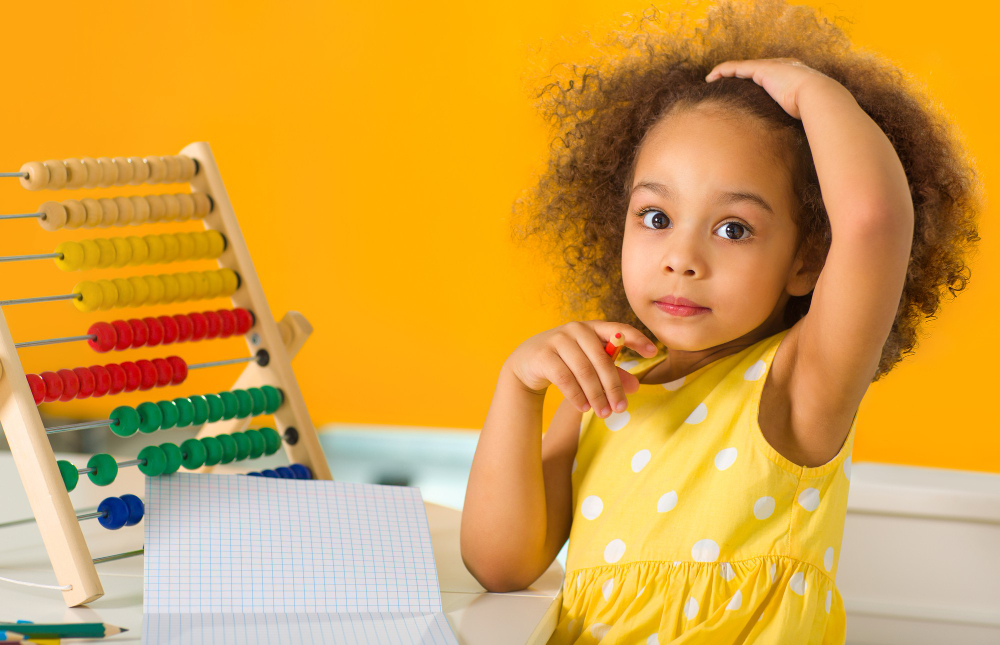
(125,421)
(244,404)
(69,473)
(200,409)
(150,417)
(242,445)
(170,414)
(258,400)
(156,461)
(229,405)
(193,454)
(215,407)
(272,440)
(213,450)
(256,443)
(228,448)
(185,412)
(273,398)
(106,469)
(174,457)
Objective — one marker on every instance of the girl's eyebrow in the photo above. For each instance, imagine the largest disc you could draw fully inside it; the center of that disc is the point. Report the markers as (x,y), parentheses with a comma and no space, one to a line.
(724,197)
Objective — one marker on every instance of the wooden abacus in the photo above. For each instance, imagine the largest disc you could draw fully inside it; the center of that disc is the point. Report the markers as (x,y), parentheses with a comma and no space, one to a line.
(267,384)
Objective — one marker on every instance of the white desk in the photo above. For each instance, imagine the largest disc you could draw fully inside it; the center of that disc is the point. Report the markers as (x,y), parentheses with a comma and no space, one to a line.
(476,616)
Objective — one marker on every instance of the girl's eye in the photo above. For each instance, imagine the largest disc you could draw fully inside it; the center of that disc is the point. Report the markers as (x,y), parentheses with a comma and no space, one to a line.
(732,230)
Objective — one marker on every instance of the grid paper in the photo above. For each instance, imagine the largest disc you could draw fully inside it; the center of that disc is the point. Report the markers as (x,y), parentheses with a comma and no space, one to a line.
(257,559)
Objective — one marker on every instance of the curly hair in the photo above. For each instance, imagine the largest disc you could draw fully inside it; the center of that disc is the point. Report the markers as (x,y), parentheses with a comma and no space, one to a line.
(600,112)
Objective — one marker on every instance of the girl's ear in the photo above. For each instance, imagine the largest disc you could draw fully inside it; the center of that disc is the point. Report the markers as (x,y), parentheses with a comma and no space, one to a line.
(804,273)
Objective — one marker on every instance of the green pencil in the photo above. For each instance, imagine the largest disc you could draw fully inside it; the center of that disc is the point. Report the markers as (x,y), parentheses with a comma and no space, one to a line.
(63,630)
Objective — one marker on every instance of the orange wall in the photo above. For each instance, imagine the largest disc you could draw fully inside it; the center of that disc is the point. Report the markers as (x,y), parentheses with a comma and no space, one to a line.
(372,156)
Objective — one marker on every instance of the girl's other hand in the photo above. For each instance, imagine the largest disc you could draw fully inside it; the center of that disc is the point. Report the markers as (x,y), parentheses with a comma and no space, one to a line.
(783,78)
(572,358)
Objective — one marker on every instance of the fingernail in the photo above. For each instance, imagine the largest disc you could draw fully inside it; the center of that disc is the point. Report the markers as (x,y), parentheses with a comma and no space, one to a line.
(605,411)
(651,348)
(621,406)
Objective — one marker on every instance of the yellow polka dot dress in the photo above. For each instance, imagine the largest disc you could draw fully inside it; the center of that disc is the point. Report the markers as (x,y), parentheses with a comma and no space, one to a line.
(688,527)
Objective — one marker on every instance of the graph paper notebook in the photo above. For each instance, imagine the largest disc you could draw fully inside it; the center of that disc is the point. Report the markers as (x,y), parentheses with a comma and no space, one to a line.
(230,558)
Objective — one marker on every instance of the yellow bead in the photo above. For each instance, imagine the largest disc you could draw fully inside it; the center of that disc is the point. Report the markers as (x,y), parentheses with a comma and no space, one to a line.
(186,285)
(200,245)
(187,168)
(157,170)
(173,171)
(156,289)
(107,252)
(140,290)
(140,209)
(109,294)
(230,281)
(109,172)
(57,173)
(140,171)
(126,212)
(140,250)
(91,296)
(214,283)
(93,208)
(126,294)
(171,247)
(91,254)
(123,251)
(157,208)
(200,283)
(173,208)
(124,171)
(185,243)
(156,249)
(72,256)
(202,204)
(186,203)
(216,243)
(109,212)
(38,176)
(94,172)
(55,216)
(76,173)
(171,288)
(76,214)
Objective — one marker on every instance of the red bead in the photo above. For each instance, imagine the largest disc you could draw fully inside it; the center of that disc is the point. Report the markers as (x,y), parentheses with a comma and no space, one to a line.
(170,330)
(124,331)
(37,387)
(117,374)
(102,378)
(244,320)
(228,320)
(53,386)
(140,333)
(133,376)
(87,382)
(180,369)
(147,373)
(184,328)
(164,372)
(200,326)
(214,324)
(155,331)
(71,384)
(106,337)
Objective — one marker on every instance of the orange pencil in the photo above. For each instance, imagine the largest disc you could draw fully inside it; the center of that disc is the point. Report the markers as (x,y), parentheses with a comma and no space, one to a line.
(614,346)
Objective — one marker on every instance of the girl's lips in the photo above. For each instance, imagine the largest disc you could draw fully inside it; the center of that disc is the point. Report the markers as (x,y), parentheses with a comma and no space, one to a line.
(681,310)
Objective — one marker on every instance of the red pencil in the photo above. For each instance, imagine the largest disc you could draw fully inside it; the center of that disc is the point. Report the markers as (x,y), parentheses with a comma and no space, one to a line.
(614,346)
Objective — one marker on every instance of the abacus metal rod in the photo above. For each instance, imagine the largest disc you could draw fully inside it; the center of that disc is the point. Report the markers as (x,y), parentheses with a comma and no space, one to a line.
(53,341)
(121,464)
(118,556)
(13,174)
(24,301)
(22,216)
(78,426)
(231,361)
(92,512)
(36,256)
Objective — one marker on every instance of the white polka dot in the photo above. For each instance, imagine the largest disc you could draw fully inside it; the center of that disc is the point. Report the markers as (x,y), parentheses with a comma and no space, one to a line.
(674,385)
(639,460)
(698,415)
(607,588)
(614,551)
(591,507)
(798,583)
(571,626)
(640,591)
(676,562)
(809,499)
(763,507)
(725,458)
(828,558)
(578,580)
(691,607)
(736,601)
(705,551)
(617,420)
(653,640)
(755,371)
(771,571)
(628,365)
(759,617)
(599,630)
(847,468)
(726,571)
(666,502)
(829,597)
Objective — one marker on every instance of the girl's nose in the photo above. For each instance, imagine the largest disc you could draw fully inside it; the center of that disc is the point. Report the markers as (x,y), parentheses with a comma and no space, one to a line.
(684,256)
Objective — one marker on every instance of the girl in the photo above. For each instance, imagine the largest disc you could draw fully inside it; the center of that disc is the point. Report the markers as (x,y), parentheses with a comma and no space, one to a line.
(765,215)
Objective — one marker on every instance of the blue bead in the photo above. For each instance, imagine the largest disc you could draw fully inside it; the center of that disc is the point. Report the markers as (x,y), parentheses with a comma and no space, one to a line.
(135,509)
(116,513)
(254,474)
(267,472)
(301,471)
(285,472)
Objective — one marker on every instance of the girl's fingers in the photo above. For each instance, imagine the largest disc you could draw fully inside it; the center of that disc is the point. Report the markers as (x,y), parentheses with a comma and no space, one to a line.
(561,375)
(587,374)
(607,372)
(634,338)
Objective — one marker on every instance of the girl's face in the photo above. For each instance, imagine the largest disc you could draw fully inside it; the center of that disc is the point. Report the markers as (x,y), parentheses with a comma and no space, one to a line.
(710,220)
